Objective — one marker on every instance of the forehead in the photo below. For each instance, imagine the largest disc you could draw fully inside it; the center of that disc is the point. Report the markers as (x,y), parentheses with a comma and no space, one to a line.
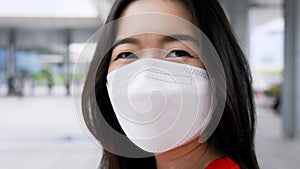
(154,16)
(172,7)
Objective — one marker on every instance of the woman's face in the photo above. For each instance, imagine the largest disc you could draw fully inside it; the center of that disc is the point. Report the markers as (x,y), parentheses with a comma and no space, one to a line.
(149,45)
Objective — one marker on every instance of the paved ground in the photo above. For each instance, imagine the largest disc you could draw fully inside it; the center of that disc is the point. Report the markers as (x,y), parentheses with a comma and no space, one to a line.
(273,150)
(43,132)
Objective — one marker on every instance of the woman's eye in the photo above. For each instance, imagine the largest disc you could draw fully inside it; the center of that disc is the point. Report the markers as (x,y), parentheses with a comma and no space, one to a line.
(126,55)
(178,53)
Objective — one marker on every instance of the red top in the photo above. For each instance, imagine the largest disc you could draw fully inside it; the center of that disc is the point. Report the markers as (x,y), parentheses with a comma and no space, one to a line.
(223,163)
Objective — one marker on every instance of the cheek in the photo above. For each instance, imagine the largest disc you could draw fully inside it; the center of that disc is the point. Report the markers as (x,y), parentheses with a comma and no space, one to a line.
(198,63)
(116,64)
(112,66)
(110,69)
(195,62)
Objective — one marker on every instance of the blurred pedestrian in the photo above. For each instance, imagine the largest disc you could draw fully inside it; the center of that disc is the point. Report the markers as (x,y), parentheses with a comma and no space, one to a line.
(11,87)
(50,83)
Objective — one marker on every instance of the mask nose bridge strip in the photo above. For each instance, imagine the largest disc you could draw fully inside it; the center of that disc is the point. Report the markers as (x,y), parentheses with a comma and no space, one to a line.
(168,78)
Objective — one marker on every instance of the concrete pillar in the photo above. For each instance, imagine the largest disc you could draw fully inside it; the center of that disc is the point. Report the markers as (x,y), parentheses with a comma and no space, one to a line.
(67,62)
(291,87)
(238,13)
(11,66)
(12,54)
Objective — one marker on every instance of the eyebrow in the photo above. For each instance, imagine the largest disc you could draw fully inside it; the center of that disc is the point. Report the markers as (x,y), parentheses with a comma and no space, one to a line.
(166,38)
(129,40)
(178,37)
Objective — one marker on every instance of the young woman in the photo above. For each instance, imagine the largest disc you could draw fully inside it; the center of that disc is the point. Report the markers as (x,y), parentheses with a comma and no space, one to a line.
(231,143)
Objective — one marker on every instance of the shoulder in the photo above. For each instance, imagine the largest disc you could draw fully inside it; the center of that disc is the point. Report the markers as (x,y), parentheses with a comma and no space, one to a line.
(223,163)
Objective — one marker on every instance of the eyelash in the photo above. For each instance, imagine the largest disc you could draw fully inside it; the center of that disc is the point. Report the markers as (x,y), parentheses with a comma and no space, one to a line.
(183,52)
(119,56)
(133,56)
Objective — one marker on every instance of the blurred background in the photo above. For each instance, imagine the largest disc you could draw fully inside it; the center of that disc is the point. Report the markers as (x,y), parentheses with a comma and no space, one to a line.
(40,42)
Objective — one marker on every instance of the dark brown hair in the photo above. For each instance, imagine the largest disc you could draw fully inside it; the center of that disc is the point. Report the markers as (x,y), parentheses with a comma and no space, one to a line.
(235,133)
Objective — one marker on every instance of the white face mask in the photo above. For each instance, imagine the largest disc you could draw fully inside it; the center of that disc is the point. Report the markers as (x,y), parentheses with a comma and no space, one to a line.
(161,105)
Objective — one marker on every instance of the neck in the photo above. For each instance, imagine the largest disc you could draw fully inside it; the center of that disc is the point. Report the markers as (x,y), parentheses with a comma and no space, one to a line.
(189,156)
